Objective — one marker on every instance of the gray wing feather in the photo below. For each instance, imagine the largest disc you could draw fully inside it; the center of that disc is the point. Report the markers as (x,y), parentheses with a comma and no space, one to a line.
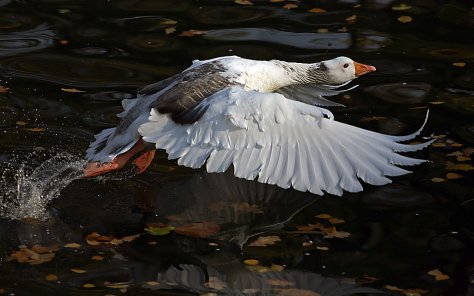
(313,94)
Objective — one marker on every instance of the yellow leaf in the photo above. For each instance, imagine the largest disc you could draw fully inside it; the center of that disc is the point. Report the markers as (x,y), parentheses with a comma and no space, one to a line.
(243,2)
(438,145)
(437,102)
(72,90)
(462,158)
(459,64)
(97,258)
(442,277)
(152,283)
(405,19)
(323,216)
(455,145)
(402,6)
(352,19)
(170,30)
(76,270)
(51,277)
(88,285)
(36,129)
(20,123)
(276,267)
(437,180)
(453,176)
(72,245)
(251,262)
(323,30)
(290,6)
(317,10)
(450,166)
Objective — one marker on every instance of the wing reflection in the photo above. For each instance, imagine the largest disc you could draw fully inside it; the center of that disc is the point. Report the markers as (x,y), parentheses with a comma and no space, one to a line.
(223,207)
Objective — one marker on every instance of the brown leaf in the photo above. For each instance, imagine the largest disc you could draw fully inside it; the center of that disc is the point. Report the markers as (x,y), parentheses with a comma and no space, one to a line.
(290,6)
(294,291)
(276,267)
(243,2)
(437,180)
(251,262)
(3,89)
(468,151)
(439,276)
(72,90)
(88,285)
(72,245)
(317,10)
(51,277)
(77,270)
(97,258)
(169,22)
(462,158)
(323,216)
(281,283)
(400,7)
(310,227)
(263,241)
(450,166)
(352,19)
(336,221)
(191,33)
(20,123)
(275,1)
(170,30)
(337,234)
(453,176)
(36,129)
(199,229)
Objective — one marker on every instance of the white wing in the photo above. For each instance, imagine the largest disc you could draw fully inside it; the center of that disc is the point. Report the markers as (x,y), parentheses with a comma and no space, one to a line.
(282,142)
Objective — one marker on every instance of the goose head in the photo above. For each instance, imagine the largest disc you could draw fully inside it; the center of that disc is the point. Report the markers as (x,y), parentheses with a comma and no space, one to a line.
(338,71)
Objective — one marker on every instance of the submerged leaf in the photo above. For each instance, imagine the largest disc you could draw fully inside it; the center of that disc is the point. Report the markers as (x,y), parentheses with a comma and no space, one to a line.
(198,229)
(263,241)
(405,19)
(3,90)
(157,230)
(317,10)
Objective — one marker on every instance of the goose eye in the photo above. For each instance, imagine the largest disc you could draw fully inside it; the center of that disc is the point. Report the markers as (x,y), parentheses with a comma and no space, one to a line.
(346,65)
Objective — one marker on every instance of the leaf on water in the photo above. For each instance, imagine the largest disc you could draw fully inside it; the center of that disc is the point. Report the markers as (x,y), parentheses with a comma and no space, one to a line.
(263,241)
(51,277)
(407,292)
(159,229)
(191,33)
(275,1)
(343,30)
(405,19)
(276,267)
(322,248)
(88,285)
(36,129)
(170,30)
(437,180)
(309,227)
(251,262)
(438,144)
(336,221)
(97,258)
(280,283)
(462,158)
(243,2)
(96,239)
(36,255)
(64,42)
(337,234)
(295,291)
(323,30)
(323,216)
(77,270)
(199,229)
(152,283)
(169,22)
(400,7)
(117,285)
(453,176)
(438,275)
(290,6)
(455,145)
(468,151)
(152,243)
(450,166)
(455,153)
(437,102)
(317,10)
(72,90)
(3,89)
(459,64)
(352,19)
(20,123)
(72,245)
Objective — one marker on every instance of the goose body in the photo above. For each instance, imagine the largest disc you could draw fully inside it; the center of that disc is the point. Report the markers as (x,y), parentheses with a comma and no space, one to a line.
(262,117)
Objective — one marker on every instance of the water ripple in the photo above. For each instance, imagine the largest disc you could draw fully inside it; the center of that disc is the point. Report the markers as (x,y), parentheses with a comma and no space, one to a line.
(401,93)
(14,43)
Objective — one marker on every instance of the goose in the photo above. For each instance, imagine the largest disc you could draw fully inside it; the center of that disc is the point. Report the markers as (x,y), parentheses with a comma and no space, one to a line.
(265,118)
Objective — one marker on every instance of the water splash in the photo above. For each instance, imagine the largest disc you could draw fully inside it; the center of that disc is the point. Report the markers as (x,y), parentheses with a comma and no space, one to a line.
(25,192)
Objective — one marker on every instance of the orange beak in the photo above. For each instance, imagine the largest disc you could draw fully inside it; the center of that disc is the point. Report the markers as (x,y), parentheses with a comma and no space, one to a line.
(361,69)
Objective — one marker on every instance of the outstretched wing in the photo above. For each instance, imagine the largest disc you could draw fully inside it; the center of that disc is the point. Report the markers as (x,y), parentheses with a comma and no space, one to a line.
(314,94)
(282,142)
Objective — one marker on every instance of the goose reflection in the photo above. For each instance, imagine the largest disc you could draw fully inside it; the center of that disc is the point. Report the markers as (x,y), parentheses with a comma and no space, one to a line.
(222,207)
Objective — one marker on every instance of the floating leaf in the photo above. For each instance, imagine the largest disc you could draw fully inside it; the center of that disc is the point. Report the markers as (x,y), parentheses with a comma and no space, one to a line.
(437,102)
(97,258)
(169,22)
(251,262)
(36,255)
(323,216)
(338,234)
(462,158)
(72,245)
(263,241)
(95,239)
(437,180)
(64,42)
(20,123)
(336,221)
(453,176)
(170,30)
(290,6)
(352,19)
(322,248)
(36,129)
(438,275)
(400,7)
(118,285)
(405,19)
(51,277)
(88,285)
(438,145)
(450,166)
(275,1)
(159,229)
(317,10)
(276,267)
(152,283)
(459,64)
(77,270)
(372,118)
(281,283)
(191,33)
(455,153)
(72,90)
(243,2)
(3,90)
(407,292)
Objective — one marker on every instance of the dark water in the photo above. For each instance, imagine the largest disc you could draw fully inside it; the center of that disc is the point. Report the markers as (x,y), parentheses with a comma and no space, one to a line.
(107,49)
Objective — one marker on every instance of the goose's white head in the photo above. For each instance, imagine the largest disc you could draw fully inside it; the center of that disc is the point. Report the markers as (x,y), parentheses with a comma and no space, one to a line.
(342,69)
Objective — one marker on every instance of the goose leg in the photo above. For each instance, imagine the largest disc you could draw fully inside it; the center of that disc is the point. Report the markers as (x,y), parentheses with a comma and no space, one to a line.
(93,169)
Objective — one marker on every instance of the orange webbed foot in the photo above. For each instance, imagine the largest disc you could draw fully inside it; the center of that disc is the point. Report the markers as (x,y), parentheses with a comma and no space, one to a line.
(94,169)
(143,161)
